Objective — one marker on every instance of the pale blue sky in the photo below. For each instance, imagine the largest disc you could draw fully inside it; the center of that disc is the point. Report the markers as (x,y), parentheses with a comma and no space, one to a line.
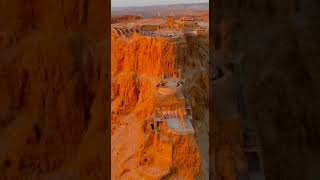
(126,3)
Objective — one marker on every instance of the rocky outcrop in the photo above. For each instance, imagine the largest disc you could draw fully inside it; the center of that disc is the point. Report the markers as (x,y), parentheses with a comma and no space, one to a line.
(52,90)
(150,56)
(135,73)
(275,44)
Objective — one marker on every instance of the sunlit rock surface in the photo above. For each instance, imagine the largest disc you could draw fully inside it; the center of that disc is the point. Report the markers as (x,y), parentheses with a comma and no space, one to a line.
(138,64)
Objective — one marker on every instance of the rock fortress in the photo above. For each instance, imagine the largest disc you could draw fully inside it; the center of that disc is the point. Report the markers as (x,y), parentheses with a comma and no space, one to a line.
(159,98)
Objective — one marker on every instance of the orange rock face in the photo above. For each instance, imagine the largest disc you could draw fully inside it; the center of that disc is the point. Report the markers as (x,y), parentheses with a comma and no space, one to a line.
(52,89)
(138,63)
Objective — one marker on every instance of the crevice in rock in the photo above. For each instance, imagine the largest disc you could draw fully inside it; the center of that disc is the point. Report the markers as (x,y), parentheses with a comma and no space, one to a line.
(38,133)
(85,12)
(23,89)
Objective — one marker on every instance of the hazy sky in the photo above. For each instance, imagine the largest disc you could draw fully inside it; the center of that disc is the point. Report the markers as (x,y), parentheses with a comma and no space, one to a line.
(126,3)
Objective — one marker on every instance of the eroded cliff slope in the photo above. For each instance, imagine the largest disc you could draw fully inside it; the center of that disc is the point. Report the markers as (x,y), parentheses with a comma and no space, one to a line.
(138,63)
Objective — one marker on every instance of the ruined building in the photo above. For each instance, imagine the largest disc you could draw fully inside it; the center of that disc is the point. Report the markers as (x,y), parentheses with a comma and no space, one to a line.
(170,121)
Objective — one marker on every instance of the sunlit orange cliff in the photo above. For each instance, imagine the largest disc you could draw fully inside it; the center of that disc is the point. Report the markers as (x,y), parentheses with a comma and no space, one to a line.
(159,99)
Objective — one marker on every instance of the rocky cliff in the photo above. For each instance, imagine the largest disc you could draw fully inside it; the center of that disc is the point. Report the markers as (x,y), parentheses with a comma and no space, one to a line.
(138,63)
(273,46)
(53,90)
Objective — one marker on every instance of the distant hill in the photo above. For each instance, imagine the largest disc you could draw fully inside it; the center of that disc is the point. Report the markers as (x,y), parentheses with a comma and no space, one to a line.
(125,18)
(161,10)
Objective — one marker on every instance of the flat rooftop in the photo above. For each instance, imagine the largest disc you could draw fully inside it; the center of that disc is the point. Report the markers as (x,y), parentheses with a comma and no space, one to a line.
(174,126)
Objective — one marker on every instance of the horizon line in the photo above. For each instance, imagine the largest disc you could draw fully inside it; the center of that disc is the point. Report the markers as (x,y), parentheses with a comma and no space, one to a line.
(157,5)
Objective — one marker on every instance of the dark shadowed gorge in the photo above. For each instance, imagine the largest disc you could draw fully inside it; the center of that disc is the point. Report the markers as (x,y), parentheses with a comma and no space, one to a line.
(266,54)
